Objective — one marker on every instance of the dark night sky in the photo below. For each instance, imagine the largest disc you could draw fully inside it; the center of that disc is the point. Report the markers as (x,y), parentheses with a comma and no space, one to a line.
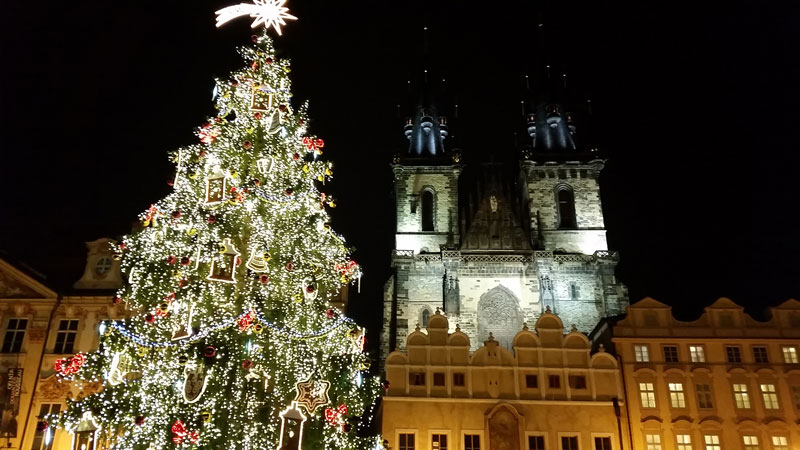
(696,109)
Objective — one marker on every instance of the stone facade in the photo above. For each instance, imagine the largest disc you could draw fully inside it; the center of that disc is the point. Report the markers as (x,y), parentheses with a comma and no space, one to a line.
(505,258)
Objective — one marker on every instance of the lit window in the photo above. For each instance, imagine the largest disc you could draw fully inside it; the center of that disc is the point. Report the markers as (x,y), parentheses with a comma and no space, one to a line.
(741,396)
(670,354)
(760,355)
(653,441)
(405,441)
(697,353)
(733,354)
(790,355)
(65,339)
(43,439)
(472,442)
(684,441)
(641,353)
(648,394)
(569,443)
(602,443)
(705,399)
(712,442)
(15,334)
(438,442)
(536,443)
(750,442)
(676,397)
(770,396)
(780,443)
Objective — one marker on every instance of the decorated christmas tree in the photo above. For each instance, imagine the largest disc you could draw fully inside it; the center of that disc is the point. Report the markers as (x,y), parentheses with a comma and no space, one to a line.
(232,343)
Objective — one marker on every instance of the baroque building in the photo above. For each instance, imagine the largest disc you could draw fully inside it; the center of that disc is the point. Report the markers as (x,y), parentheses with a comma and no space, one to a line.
(548,392)
(723,381)
(495,245)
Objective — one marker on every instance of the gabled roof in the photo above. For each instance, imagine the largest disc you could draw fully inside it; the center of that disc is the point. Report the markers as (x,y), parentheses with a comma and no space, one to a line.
(649,302)
(18,281)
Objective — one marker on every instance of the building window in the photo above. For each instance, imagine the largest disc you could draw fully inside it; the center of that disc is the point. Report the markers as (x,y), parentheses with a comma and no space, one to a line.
(676,397)
(760,355)
(648,394)
(602,443)
(796,396)
(652,441)
(438,379)
(427,210)
(566,208)
(405,441)
(458,379)
(65,339)
(684,441)
(569,443)
(770,396)
(554,381)
(574,291)
(712,442)
(577,381)
(697,353)
(416,378)
(472,442)
(641,353)
(103,266)
(536,443)
(790,355)
(741,396)
(531,381)
(43,439)
(426,314)
(670,353)
(733,354)
(438,442)
(705,399)
(15,334)
(780,443)
(750,442)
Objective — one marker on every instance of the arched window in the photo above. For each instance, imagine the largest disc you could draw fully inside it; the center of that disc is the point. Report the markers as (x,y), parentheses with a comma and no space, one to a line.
(427,210)
(426,314)
(566,208)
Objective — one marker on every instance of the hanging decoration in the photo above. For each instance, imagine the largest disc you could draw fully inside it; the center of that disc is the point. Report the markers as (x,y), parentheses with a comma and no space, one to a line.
(215,187)
(313,145)
(223,270)
(292,422)
(181,434)
(264,165)
(335,416)
(195,379)
(257,261)
(69,366)
(120,366)
(311,394)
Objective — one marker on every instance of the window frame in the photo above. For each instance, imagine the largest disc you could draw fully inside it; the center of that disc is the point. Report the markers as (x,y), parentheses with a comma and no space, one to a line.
(63,346)
(714,445)
(414,376)
(568,434)
(760,354)
(754,443)
(440,432)
(683,445)
(465,433)
(567,216)
(655,445)
(18,335)
(769,397)
(535,378)
(422,193)
(543,434)
(463,379)
(651,402)
(676,395)
(405,431)
(441,377)
(550,378)
(609,436)
(785,445)
(642,356)
(741,396)
(577,377)
(707,395)
(731,351)
(792,353)
(42,434)
(672,359)
(697,353)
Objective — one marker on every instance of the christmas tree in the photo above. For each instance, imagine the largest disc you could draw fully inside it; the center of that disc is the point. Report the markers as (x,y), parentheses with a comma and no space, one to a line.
(232,343)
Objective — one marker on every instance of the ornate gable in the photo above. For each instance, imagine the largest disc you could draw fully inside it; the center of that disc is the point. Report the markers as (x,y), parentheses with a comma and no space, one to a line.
(16,284)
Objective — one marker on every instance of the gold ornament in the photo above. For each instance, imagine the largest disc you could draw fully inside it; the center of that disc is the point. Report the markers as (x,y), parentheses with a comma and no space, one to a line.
(311,394)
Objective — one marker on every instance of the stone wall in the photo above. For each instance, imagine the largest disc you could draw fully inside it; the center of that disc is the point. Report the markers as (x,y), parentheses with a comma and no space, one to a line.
(410,182)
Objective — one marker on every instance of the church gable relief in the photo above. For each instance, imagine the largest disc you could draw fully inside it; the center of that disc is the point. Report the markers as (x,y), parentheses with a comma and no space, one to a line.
(499,313)
(504,428)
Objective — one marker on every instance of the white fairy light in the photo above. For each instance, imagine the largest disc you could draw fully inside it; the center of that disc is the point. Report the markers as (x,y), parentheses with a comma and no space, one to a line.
(270,13)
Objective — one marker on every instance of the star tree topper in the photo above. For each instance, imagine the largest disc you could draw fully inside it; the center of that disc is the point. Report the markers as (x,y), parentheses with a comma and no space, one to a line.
(270,13)
(312,394)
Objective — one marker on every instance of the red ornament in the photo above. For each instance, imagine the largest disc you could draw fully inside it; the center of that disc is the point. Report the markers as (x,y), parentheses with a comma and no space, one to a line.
(246,320)
(256,181)
(254,38)
(290,266)
(386,384)
(139,420)
(247,145)
(346,427)
(180,433)
(69,366)
(289,191)
(310,289)
(335,416)
(313,145)
(149,318)
(42,426)
(171,259)
(176,214)
(282,108)
(208,134)
(235,84)
(257,115)
(211,219)
(296,156)
(185,261)
(116,300)
(264,279)
(247,364)
(238,261)
(202,154)
(330,313)
(254,66)
(268,60)
(301,122)
(170,182)
(122,245)
(210,352)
